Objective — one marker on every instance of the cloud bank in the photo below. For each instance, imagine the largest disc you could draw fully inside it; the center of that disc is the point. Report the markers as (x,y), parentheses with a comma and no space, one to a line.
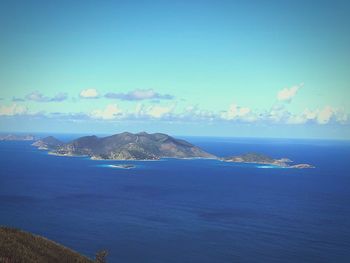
(13,110)
(112,111)
(39,97)
(233,114)
(162,111)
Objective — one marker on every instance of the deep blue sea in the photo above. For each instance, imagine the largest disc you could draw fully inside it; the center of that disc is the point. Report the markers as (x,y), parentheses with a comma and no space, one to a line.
(178,211)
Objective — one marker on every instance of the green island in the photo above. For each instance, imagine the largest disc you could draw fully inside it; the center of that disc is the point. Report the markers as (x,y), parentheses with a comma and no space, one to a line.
(145,146)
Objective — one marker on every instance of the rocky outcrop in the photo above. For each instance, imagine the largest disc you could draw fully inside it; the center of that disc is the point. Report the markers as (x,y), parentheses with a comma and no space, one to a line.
(264,159)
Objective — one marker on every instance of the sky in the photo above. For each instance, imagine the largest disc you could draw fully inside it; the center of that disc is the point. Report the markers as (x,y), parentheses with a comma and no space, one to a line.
(206,68)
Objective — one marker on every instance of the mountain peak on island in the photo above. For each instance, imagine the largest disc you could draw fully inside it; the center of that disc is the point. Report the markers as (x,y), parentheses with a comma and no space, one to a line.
(128,146)
(47,143)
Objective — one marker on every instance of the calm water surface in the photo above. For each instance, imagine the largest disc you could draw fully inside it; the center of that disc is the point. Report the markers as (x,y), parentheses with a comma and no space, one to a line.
(186,210)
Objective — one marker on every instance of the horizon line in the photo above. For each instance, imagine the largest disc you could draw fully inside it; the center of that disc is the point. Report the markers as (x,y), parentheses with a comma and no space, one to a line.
(176,135)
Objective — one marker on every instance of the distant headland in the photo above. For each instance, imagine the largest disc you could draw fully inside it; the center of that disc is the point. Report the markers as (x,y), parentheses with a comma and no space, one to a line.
(16,137)
(258,158)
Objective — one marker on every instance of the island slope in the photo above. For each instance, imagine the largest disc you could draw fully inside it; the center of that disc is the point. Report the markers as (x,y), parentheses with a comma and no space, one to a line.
(128,146)
(48,143)
(145,146)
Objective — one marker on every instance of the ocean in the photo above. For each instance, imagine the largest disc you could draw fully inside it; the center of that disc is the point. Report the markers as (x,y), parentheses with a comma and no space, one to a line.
(178,211)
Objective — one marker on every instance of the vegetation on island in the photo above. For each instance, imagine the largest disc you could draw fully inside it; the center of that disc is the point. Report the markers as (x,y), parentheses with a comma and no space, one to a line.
(142,146)
(125,146)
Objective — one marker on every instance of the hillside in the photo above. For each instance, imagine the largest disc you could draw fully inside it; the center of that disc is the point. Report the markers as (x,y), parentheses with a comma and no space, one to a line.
(47,143)
(18,246)
(129,146)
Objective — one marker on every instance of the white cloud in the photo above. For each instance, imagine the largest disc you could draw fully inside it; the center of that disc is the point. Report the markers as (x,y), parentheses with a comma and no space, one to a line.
(139,94)
(319,116)
(59,97)
(296,119)
(89,94)
(277,113)
(306,116)
(287,94)
(12,110)
(35,96)
(235,112)
(325,115)
(153,111)
(112,111)
(159,111)
(39,97)
(194,113)
(341,116)
(310,114)
(238,113)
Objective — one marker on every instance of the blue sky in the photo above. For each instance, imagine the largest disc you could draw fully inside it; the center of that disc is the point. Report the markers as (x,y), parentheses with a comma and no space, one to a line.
(217,68)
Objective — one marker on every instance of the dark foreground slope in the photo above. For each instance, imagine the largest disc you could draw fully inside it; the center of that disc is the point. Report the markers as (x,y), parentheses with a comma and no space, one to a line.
(18,246)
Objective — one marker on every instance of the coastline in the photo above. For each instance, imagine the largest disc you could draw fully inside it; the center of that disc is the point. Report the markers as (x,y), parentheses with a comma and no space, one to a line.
(276,164)
(283,165)
(54,147)
(65,155)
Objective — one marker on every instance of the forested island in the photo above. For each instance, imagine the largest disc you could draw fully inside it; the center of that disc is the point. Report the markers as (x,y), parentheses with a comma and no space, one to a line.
(145,146)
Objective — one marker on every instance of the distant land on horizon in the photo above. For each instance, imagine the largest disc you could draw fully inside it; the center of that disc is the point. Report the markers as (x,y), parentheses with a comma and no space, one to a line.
(17,137)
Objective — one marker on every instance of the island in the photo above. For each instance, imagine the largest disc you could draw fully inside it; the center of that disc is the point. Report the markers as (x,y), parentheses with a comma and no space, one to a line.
(258,158)
(17,137)
(124,146)
(145,146)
